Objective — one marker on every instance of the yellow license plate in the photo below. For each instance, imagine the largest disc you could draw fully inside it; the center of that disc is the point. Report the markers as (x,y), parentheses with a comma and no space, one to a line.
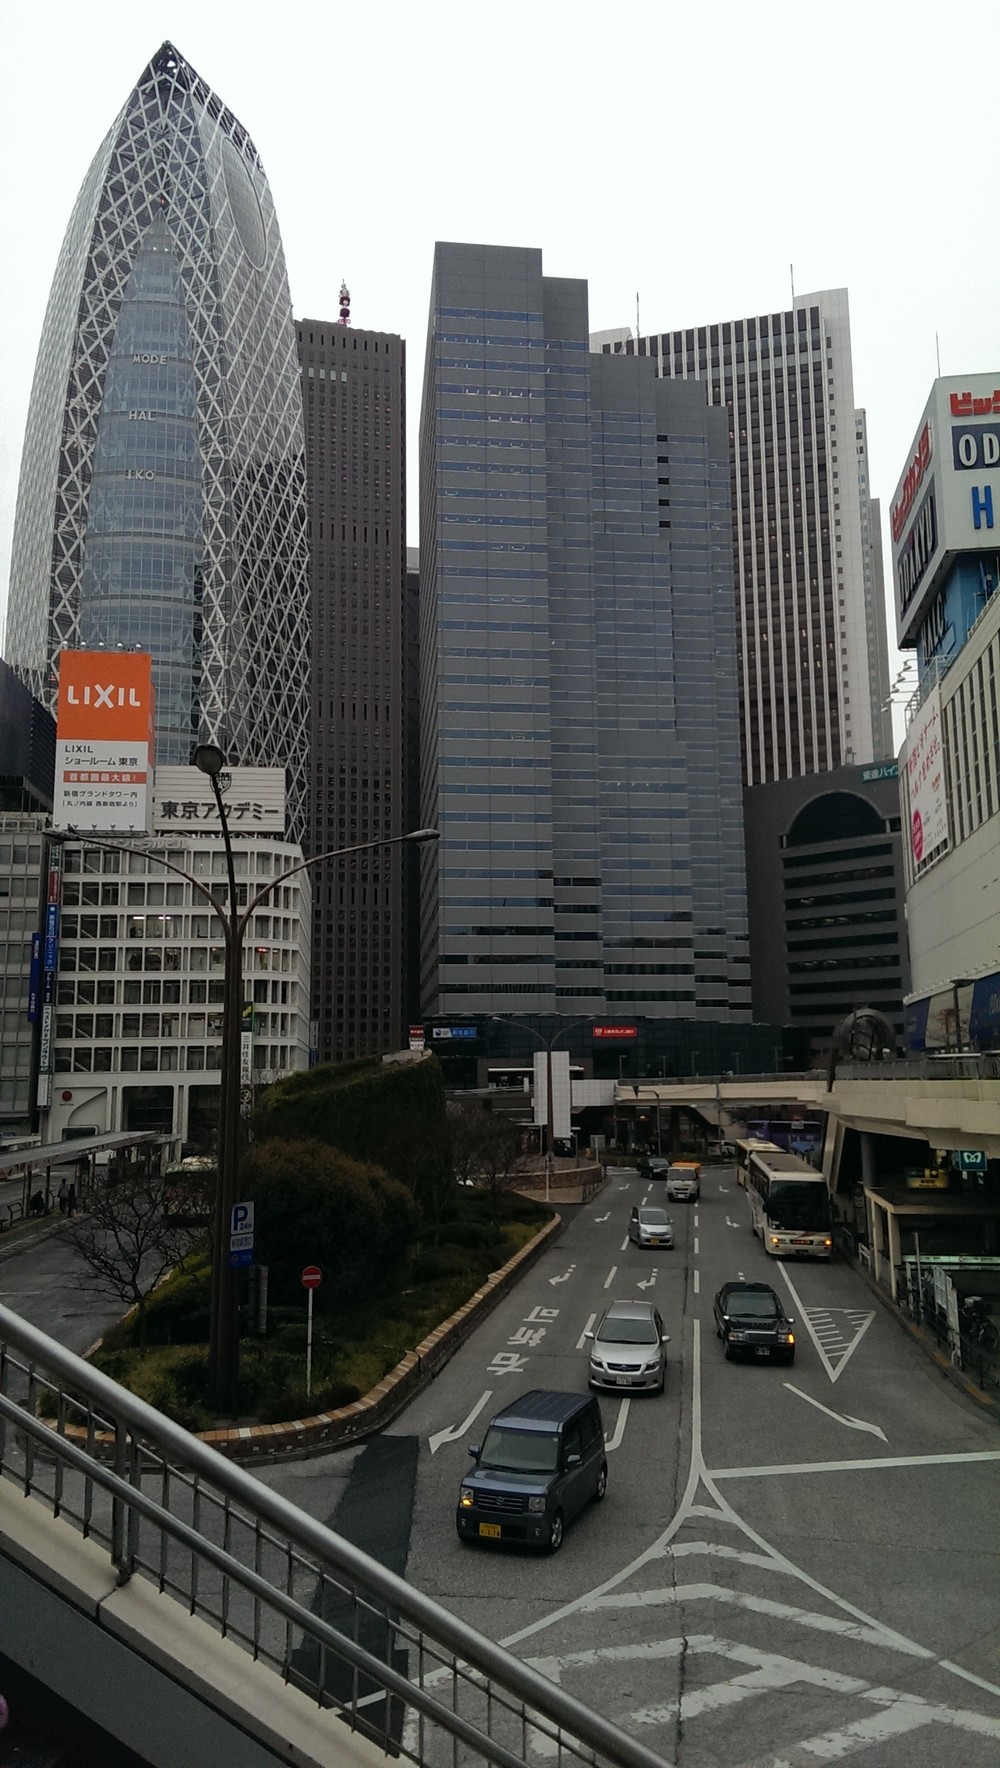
(490,1529)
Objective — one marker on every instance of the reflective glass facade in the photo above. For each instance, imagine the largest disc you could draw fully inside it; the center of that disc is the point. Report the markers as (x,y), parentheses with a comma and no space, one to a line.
(162,493)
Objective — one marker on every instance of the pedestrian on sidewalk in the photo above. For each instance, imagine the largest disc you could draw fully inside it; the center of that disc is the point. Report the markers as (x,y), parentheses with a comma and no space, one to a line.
(71,1201)
(63,1196)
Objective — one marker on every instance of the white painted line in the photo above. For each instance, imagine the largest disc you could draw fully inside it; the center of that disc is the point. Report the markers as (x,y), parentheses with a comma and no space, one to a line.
(697,1283)
(696,1218)
(778,1611)
(696,1246)
(614,1440)
(874,1464)
(847,1346)
(609,1279)
(842,1418)
(624,1245)
(454,1432)
(581,1341)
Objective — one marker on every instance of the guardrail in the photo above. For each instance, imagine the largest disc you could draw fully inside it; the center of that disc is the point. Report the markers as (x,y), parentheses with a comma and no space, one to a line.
(392,1663)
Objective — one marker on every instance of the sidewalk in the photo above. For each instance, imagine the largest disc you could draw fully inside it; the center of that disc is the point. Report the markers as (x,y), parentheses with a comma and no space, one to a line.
(927,1340)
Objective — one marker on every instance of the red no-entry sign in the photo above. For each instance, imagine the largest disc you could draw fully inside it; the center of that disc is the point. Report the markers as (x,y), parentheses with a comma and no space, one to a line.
(312,1277)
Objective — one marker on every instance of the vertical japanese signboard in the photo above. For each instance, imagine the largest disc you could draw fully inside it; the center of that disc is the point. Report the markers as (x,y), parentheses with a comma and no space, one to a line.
(104,742)
(923,765)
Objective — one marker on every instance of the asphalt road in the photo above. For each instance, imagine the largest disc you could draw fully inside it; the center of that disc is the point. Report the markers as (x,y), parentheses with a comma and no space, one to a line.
(46,1282)
(792,1565)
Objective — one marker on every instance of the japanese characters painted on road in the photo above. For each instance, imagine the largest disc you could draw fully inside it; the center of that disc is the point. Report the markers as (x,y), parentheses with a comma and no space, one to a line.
(104,742)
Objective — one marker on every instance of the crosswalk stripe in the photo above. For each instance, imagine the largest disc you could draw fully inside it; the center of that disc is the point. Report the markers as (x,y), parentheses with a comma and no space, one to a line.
(779,1611)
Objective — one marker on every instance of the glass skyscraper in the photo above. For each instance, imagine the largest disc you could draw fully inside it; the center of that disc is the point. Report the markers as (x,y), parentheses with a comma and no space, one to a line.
(580,747)
(162,500)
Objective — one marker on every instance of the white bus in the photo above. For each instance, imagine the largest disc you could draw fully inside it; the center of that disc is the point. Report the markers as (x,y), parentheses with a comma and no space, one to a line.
(789,1205)
(742,1151)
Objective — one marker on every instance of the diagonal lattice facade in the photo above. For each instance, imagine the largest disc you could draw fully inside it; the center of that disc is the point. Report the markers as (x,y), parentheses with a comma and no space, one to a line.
(162,501)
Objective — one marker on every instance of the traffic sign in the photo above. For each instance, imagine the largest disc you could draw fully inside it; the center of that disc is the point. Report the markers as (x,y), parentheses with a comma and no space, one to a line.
(312,1277)
(242,1257)
(241,1242)
(241,1221)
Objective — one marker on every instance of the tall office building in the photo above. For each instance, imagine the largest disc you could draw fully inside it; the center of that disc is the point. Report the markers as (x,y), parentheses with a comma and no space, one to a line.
(580,734)
(812,625)
(161,505)
(353,395)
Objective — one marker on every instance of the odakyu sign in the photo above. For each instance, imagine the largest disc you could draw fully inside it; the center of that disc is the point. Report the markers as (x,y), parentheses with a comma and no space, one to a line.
(947,501)
(104,742)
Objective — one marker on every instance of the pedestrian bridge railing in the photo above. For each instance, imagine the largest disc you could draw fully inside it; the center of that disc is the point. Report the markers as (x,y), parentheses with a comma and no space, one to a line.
(356,1639)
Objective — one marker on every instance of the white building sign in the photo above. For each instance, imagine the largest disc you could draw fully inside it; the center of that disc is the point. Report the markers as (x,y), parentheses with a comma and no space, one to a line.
(923,762)
(254,798)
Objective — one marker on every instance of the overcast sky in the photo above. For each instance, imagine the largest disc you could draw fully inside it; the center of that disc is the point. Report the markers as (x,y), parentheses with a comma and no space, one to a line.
(690,154)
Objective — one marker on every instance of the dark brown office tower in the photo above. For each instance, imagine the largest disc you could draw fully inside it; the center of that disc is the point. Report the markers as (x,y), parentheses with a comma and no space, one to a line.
(355,425)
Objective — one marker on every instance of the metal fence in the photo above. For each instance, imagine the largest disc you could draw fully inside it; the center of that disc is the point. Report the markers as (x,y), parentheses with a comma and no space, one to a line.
(956,1330)
(331,1621)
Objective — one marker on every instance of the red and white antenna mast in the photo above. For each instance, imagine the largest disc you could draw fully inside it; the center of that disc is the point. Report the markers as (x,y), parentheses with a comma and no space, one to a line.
(345,304)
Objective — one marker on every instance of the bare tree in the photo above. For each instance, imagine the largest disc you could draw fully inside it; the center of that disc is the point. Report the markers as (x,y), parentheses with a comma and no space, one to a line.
(486,1146)
(136,1229)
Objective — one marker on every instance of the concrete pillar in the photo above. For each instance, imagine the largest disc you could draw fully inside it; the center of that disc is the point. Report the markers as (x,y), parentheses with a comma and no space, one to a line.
(895,1252)
(869,1168)
(878,1241)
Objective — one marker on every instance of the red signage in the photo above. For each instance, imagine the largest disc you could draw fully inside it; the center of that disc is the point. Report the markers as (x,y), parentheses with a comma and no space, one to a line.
(964,405)
(613,1031)
(912,480)
(312,1277)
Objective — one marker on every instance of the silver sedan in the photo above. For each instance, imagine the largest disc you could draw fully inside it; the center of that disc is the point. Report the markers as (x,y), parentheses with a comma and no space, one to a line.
(629,1348)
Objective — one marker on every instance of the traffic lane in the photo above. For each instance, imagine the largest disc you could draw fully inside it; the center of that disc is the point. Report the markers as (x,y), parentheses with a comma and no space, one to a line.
(914,1545)
(47,1285)
(502,1590)
(859,1385)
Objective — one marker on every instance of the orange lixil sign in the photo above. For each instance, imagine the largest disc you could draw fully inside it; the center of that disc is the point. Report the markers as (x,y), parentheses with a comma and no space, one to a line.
(105,696)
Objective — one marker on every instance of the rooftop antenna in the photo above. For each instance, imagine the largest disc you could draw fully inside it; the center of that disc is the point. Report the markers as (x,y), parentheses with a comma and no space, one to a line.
(345,304)
(638,331)
(791,273)
(937,346)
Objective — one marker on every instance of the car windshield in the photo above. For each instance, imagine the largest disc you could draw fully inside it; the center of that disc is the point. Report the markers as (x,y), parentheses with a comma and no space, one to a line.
(519,1451)
(616,1331)
(752,1305)
(654,1218)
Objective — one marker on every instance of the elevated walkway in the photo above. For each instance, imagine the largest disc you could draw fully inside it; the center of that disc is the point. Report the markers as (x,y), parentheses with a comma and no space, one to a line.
(200,1619)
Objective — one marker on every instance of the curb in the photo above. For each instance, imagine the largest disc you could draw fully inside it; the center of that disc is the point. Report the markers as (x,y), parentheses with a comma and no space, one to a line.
(989,1402)
(348,1424)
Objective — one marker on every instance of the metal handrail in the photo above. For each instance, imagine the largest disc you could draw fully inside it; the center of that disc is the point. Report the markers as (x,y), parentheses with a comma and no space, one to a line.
(123,1437)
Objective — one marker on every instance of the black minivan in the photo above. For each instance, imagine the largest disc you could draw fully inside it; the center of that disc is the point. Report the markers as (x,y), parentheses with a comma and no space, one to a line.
(542,1459)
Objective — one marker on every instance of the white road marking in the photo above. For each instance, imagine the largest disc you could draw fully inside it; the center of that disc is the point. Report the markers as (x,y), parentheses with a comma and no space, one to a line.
(696,1218)
(609,1279)
(603,1218)
(879,1461)
(842,1418)
(614,1440)
(581,1341)
(648,1282)
(567,1274)
(624,1245)
(455,1431)
(697,1282)
(834,1357)
(779,1611)
(725,1190)
(731,1224)
(696,1247)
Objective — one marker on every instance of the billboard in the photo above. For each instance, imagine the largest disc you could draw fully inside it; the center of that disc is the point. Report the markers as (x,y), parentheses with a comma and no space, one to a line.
(923,764)
(104,742)
(947,500)
(254,798)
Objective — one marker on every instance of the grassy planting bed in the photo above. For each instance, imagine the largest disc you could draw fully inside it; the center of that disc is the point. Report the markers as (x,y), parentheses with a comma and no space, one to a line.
(353,1348)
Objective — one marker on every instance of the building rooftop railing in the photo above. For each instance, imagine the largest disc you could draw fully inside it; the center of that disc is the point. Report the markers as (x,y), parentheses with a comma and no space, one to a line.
(392,1663)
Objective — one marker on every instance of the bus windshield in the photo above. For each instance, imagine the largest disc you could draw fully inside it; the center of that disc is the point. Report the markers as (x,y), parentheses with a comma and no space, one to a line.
(798,1203)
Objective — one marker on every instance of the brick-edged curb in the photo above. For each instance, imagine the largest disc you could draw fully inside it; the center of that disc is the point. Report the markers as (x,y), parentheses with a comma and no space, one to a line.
(257,1442)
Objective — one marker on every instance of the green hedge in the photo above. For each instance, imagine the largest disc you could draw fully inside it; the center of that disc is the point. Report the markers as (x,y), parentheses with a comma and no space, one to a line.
(392,1114)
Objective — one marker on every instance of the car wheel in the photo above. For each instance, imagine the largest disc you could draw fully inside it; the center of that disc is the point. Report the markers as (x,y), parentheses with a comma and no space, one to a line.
(727,1347)
(556,1532)
(663,1382)
(602,1483)
(790,1358)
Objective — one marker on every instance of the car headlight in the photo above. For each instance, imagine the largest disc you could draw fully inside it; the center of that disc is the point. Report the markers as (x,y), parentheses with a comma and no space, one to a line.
(788,1338)
(651,1367)
(466,1498)
(828,1240)
(536,1504)
(774,1240)
(737,1336)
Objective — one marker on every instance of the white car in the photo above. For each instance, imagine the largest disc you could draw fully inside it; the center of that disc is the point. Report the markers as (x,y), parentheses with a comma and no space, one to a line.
(684,1184)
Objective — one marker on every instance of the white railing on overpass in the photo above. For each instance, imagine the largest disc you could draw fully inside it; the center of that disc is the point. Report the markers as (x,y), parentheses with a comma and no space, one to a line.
(398,1668)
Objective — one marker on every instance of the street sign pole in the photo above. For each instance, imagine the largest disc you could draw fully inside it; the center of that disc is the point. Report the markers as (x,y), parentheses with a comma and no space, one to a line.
(311,1279)
(309,1342)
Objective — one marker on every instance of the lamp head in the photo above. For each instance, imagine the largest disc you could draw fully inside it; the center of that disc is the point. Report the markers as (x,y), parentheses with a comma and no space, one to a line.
(423,835)
(209,759)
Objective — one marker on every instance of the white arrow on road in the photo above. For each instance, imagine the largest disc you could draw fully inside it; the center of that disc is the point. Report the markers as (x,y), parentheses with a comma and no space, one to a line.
(647,1282)
(725,1190)
(841,1417)
(565,1276)
(452,1434)
(613,1441)
(603,1218)
(732,1224)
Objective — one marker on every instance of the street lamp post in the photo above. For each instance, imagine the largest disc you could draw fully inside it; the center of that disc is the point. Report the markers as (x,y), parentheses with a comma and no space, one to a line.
(223,1343)
(547,1045)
